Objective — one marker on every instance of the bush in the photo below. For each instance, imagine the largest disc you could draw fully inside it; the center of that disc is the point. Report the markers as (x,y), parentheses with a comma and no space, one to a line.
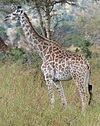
(28,60)
(16,54)
(87,53)
(75,40)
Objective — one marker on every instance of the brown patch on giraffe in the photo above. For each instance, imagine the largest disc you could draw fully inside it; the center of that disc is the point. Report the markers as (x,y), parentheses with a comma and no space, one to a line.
(60,66)
(27,25)
(73,58)
(45,43)
(69,56)
(50,50)
(51,63)
(79,57)
(56,60)
(55,49)
(44,46)
(35,41)
(81,62)
(60,51)
(44,51)
(40,47)
(66,55)
(77,62)
(63,65)
(47,57)
(73,62)
(60,56)
(49,67)
(62,69)
(30,30)
(60,60)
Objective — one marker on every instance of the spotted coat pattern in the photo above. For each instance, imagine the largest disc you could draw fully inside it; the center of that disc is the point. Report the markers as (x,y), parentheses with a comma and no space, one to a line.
(58,64)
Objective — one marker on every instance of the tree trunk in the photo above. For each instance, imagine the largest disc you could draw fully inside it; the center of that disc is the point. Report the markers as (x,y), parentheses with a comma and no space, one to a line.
(3,46)
(2,3)
(48,26)
(48,19)
(40,17)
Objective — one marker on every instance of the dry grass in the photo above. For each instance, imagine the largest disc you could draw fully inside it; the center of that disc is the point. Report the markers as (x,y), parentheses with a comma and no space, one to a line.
(23,102)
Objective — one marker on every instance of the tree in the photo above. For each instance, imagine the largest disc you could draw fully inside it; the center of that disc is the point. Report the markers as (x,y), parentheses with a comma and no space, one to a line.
(3,46)
(47,6)
(45,9)
(88,22)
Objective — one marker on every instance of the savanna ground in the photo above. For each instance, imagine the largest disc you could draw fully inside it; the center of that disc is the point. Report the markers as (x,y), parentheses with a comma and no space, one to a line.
(24,99)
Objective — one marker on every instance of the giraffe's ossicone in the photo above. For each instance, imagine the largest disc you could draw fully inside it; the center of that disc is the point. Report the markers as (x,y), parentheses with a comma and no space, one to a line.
(57,64)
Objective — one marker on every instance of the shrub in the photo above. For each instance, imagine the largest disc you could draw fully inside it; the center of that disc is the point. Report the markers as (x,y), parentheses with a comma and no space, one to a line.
(75,40)
(16,54)
(87,53)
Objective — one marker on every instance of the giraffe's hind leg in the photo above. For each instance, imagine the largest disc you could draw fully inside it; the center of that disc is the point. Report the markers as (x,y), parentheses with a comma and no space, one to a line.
(82,91)
(79,76)
(59,87)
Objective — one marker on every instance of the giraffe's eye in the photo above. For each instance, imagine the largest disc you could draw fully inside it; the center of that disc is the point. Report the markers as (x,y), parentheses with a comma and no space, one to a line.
(14,14)
(18,11)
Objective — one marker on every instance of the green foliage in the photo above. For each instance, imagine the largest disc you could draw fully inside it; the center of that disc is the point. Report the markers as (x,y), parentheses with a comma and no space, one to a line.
(20,54)
(11,1)
(86,52)
(2,57)
(2,29)
(76,40)
(84,43)
(16,53)
(80,42)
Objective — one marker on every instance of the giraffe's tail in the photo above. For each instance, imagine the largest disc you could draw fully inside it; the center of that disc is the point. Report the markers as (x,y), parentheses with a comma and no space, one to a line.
(90,92)
(87,80)
(89,86)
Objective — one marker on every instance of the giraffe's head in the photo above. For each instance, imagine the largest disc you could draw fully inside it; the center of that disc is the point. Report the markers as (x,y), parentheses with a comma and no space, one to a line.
(15,14)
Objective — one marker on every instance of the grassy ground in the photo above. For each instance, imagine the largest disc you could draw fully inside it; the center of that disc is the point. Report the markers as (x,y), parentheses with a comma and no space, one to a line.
(24,102)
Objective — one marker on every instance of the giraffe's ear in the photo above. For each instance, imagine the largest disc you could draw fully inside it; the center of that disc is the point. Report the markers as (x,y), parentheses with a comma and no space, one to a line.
(13,8)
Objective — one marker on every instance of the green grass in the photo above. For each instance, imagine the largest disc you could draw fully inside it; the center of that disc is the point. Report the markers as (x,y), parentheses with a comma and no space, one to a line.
(24,102)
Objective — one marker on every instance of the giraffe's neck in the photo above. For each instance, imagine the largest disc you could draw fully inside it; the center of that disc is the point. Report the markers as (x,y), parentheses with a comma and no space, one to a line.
(34,40)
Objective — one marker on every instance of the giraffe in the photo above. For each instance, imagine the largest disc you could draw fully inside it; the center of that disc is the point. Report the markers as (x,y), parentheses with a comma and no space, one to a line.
(57,64)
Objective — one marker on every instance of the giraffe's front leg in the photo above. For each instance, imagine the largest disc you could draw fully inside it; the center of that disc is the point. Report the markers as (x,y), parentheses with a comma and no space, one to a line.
(61,93)
(49,83)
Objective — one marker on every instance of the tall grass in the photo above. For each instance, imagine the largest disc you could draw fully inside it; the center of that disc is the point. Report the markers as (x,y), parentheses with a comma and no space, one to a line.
(24,99)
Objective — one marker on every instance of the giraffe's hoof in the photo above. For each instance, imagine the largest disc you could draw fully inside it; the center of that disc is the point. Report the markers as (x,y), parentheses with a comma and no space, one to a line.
(65,105)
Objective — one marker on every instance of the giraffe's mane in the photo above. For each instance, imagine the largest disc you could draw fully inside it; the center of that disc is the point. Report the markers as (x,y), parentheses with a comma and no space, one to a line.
(32,27)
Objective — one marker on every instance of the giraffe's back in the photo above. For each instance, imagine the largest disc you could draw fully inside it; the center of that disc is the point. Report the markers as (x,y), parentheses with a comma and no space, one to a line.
(62,64)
